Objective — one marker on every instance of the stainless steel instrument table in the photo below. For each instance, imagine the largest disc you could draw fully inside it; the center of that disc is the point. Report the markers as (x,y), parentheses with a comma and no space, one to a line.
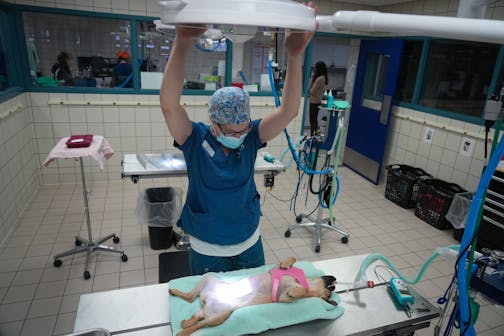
(146,311)
(151,165)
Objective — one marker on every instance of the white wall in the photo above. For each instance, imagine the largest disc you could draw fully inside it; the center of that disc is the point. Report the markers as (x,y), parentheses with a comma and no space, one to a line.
(129,129)
(19,180)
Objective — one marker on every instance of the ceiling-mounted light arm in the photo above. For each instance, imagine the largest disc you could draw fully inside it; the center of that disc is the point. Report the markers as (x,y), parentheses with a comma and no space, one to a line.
(479,30)
(232,14)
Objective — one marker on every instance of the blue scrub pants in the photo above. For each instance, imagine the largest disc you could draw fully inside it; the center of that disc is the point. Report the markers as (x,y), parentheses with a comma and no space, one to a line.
(253,257)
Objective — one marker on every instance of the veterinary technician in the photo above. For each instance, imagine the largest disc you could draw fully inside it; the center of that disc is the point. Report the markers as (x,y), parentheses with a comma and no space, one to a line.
(222,208)
(318,83)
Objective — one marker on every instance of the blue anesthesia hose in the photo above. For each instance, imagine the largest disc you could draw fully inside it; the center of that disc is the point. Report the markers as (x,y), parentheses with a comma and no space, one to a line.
(242,75)
(465,321)
(376,256)
(289,141)
(321,201)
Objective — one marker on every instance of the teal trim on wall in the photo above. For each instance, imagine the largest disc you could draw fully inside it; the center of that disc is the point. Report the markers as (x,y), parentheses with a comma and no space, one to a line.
(229,63)
(134,54)
(306,82)
(420,72)
(10,93)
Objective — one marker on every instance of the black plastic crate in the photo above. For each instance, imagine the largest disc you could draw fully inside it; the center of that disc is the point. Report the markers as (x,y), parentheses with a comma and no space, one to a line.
(402,184)
(434,199)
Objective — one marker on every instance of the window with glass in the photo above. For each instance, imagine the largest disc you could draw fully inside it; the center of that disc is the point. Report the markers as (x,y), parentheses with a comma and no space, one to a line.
(251,55)
(4,78)
(374,81)
(78,51)
(206,64)
(334,52)
(458,75)
(410,61)
(499,86)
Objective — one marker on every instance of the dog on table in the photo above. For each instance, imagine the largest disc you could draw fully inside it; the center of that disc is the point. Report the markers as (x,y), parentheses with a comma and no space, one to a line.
(219,299)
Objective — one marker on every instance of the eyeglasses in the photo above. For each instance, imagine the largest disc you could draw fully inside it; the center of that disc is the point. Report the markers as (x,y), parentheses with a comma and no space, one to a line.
(236,133)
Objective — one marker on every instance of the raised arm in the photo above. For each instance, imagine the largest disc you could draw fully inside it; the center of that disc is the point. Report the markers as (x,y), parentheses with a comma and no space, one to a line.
(274,123)
(175,115)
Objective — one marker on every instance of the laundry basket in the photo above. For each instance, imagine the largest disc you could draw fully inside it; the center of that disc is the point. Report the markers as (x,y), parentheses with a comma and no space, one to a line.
(160,209)
(434,200)
(402,184)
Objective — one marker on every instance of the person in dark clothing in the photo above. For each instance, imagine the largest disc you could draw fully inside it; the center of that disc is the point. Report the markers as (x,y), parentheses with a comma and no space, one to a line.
(61,70)
(318,83)
(121,74)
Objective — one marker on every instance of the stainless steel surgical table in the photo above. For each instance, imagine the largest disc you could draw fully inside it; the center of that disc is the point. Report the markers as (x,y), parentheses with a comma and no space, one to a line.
(146,311)
(153,165)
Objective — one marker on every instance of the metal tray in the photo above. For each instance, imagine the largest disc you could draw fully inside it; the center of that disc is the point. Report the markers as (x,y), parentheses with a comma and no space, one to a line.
(92,332)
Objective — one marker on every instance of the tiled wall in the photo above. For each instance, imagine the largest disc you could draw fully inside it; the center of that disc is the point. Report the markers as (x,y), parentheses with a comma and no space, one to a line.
(129,129)
(442,158)
(18,165)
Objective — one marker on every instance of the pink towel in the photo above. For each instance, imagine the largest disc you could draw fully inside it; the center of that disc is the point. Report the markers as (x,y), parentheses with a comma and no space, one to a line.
(99,149)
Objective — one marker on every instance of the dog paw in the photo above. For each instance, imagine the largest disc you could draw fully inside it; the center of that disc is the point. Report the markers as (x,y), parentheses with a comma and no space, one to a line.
(296,293)
(287,263)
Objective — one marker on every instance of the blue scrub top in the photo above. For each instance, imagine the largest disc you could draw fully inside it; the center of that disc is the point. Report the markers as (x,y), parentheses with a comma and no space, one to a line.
(222,205)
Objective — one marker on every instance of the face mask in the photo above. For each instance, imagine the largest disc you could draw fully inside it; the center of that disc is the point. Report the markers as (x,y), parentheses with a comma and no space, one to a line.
(231,142)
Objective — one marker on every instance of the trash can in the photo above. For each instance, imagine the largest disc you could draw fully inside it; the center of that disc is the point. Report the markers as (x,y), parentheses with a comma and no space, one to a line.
(459,209)
(160,208)
(434,199)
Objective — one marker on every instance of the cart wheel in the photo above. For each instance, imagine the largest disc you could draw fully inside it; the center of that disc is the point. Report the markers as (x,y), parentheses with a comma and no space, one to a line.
(87,275)
(317,248)
(116,240)
(77,242)
(344,240)
(299,219)
(57,263)
(287,233)
(124,258)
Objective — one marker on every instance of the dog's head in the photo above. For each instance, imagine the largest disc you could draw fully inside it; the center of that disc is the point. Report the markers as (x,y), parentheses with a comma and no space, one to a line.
(328,286)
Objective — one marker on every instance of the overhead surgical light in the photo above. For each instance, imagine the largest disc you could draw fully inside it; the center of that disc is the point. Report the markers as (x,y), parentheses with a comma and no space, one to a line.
(230,15)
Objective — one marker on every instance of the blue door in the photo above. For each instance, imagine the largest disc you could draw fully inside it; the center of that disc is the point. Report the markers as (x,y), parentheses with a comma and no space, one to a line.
(375,84)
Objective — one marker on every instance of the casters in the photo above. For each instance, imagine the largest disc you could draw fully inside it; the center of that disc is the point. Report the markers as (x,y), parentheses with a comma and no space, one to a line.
(287,233)
(57,263)
(344,240)
(116,240)
(77,242)
(124,258)
(87,275)
(317,248)
(299,219)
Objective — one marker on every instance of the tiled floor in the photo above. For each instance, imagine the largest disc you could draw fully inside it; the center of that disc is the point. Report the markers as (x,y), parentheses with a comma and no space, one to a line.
(39,299)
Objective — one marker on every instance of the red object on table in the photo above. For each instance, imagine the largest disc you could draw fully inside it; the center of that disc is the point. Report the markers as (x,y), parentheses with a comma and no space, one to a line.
(240,85)
(79,141)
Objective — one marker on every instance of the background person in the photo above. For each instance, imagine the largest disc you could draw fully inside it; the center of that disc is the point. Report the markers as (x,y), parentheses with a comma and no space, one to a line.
(318,83)
(121,74)
(61,70)
(222,209)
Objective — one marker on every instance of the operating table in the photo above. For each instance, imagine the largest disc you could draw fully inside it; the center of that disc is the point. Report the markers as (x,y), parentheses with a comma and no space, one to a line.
(145,310)
(152,165)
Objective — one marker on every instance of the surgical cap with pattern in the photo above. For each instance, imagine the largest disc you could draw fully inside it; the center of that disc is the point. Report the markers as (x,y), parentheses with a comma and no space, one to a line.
(229,106)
